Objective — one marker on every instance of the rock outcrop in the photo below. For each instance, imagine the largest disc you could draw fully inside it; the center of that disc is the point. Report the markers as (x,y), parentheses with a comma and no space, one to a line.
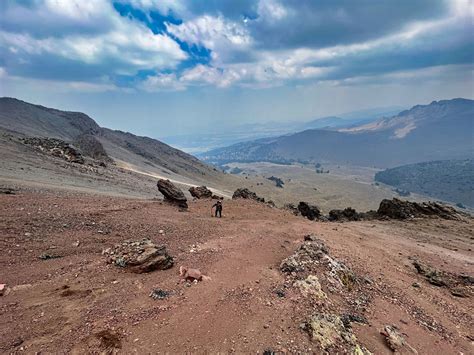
(311,212)
(200,192)
(398,209)
(139,256)
(247,194)
(171,193)
(57,148)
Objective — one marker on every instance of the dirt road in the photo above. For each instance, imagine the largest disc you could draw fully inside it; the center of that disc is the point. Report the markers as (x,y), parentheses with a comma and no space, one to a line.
(77,303)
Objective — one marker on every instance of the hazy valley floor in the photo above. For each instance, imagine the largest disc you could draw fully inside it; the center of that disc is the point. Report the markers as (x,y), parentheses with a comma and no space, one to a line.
(109,309)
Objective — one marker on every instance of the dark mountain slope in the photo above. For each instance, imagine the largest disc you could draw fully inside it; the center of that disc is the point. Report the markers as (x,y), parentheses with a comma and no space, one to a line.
(440,130)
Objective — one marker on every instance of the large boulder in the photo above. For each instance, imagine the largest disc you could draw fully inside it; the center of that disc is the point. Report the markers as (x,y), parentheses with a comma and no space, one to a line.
(247,194)
(171,193)
(309,211)
(200,192)
(347,214)
(139,256)
(398,209)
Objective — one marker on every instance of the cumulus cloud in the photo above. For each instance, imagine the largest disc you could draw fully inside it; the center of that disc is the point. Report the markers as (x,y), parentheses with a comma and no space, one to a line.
(161,82)
(257,44)
(79,35)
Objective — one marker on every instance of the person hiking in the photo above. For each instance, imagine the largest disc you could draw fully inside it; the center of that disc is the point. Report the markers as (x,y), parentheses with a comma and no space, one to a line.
(218,206)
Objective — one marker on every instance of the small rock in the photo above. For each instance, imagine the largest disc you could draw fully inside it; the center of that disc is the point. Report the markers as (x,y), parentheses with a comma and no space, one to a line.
(395,340)
(46,256)
(3,287)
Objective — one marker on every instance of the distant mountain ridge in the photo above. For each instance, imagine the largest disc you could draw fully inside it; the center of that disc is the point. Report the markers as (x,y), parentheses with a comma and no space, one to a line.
(223,136)
(27,119)
(438,131)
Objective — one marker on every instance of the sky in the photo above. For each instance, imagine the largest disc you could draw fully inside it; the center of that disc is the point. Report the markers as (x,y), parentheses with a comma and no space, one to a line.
(171,67)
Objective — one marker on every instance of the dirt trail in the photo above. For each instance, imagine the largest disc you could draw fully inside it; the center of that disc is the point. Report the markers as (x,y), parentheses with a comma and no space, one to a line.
(80,304)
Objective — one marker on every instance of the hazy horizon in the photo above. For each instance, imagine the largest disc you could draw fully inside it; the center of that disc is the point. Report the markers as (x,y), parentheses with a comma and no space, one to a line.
(162,68)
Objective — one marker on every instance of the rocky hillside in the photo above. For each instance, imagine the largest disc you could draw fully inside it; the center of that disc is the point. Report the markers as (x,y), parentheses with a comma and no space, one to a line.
(138,153)
(449,180)
(440,130)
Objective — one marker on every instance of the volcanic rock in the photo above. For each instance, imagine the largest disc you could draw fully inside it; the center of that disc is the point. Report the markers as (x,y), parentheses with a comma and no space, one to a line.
(398,209)
(309,211)
(171,193)
(247,194)
(347,214)
(200,192)
(139,256)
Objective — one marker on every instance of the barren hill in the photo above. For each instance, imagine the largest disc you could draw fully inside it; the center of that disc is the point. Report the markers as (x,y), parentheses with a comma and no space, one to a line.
(137,155)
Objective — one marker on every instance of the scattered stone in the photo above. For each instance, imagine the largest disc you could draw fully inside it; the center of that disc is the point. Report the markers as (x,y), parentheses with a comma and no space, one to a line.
(347,319)
(270,203)
(109,340)
(159,294)
(459,292)
(280,293)
(191,275)
(47,256)
(395,340)
(247,194)
(310,287)
(310,238)
(292,208)
(76,243)
(139,256)
(200,192)
(7,191)
(433,276)
(329,332)
(416,284)
(171,193)
(309,211)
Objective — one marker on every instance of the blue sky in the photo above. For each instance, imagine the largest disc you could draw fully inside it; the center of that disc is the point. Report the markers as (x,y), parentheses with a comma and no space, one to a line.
(173,67)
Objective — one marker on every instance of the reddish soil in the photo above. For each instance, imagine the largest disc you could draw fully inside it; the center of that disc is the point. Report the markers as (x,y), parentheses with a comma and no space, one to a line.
(78,303)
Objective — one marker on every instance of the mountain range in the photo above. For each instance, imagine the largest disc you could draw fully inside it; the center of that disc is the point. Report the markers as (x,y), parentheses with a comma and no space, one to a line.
(125,149)
(437,131)
(228,134)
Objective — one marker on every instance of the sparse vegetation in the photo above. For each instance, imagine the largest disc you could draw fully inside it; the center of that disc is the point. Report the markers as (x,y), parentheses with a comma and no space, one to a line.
(449,180)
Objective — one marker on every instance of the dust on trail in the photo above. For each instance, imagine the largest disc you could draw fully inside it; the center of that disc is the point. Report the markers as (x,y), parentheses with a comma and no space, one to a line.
(78,303)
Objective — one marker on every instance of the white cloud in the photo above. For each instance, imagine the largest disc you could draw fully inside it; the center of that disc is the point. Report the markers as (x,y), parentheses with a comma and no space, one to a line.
(125,41)
(271,10)
(209,75)
(223,37)
(161,82)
